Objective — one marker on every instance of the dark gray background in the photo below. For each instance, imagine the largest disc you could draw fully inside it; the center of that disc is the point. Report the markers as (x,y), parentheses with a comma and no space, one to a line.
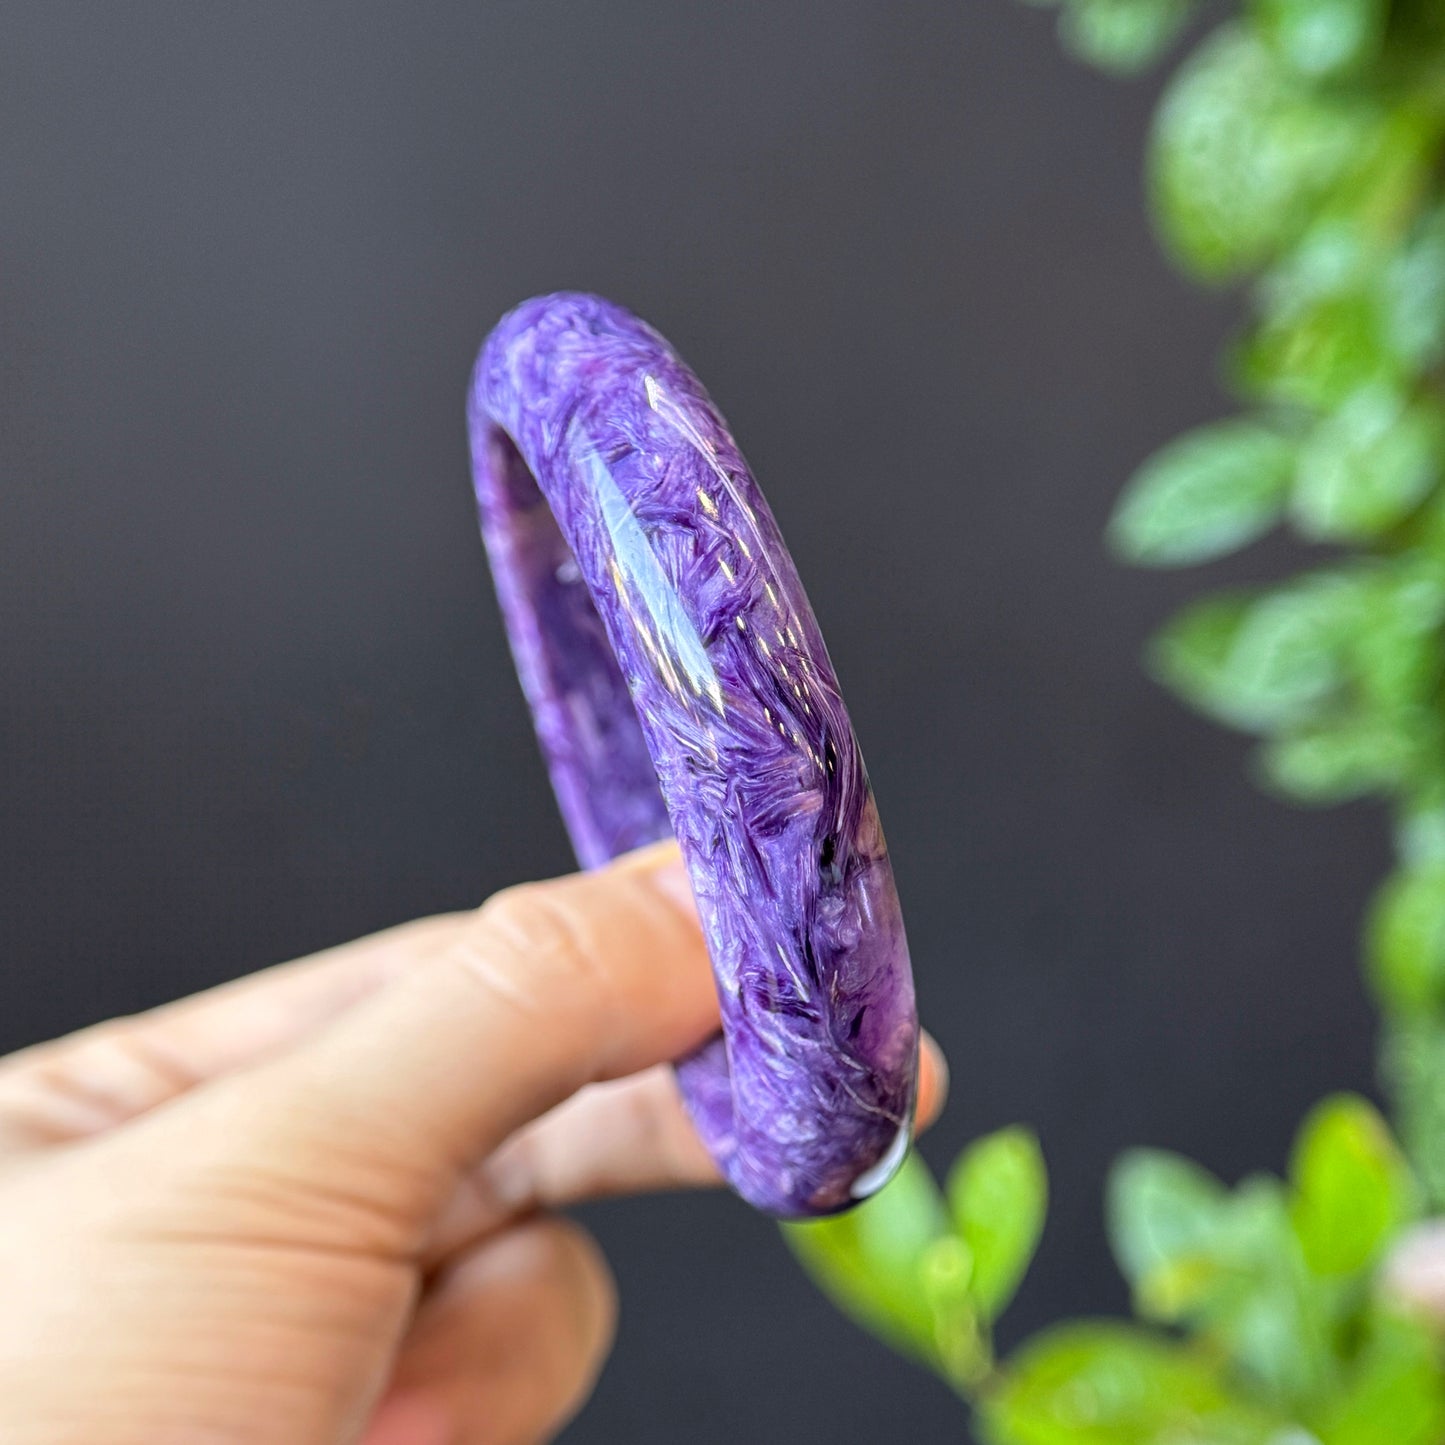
(256,698)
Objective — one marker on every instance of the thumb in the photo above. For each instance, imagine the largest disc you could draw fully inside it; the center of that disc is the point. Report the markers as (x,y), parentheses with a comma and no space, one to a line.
(551,986)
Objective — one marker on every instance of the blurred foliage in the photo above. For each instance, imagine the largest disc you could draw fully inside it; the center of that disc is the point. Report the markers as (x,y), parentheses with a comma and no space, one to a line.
(1298,153)
(1262,1317)
(930,1271)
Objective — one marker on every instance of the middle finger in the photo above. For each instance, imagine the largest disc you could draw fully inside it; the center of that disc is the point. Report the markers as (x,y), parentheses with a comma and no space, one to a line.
(626,1136)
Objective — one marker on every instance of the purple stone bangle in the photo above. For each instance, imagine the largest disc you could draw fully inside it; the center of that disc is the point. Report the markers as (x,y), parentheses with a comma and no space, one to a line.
(679,684)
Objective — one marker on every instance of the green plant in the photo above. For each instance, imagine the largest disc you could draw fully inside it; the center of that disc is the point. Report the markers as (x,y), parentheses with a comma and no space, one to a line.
(1299,150)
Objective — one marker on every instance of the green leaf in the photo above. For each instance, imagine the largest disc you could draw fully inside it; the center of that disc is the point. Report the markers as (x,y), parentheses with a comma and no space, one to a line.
(1322,37)
(1420,829)
(1352,1189)
(998,1196)
(1395,1394)
(1336,761)
(1324,330)
(1263,661)
(1395,657)
(946,1279)
(1242,156)
(1164,1215)
(1383,192)
(1343,307)
(1101,1383)
(1123,36)
(1414,1071)
(1316,355)
(1421,23)
(1366,466)
(1414,293)
(869,1261)
(1192,654)
(1209,492)
(1267,1311)
(1335,257)
(1225,1263)
(1405,940)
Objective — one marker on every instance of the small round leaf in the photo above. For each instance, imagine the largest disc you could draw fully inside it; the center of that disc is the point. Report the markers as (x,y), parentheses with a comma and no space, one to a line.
(1211,491)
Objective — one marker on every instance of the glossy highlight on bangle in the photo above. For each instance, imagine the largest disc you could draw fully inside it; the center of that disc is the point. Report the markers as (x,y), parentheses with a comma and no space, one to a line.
(680,685)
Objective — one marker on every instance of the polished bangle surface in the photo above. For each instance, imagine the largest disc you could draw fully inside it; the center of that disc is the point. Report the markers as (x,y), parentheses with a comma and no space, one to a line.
(679,684)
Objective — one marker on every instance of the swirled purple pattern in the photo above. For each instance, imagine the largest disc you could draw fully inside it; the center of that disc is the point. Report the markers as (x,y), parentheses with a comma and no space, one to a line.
(680,685)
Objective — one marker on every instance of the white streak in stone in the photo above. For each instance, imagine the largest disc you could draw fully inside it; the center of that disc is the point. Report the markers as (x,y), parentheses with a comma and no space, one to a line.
(646,583)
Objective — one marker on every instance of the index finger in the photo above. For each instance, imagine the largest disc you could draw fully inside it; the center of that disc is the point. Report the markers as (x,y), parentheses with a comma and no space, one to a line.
(85,1083)
(551,987)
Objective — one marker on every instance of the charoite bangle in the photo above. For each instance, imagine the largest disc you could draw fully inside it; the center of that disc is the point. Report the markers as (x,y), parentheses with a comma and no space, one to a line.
(679,684)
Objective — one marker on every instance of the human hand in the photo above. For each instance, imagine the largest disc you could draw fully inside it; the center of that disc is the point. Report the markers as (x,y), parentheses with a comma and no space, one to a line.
(312,1206)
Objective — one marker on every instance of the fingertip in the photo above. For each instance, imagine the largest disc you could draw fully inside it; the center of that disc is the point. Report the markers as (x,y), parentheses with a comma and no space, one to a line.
(411,1417)
(660,866)
(932,1081)
(508,1339)
(650,858)
(596,1289)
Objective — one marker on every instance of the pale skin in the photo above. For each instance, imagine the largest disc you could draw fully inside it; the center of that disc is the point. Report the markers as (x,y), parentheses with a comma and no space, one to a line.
(318,1206)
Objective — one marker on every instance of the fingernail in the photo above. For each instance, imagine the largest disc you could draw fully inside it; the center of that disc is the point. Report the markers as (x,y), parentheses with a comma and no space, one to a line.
(410,1417)
(661,867)
(645,859)
(936,1066)
(672,882)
